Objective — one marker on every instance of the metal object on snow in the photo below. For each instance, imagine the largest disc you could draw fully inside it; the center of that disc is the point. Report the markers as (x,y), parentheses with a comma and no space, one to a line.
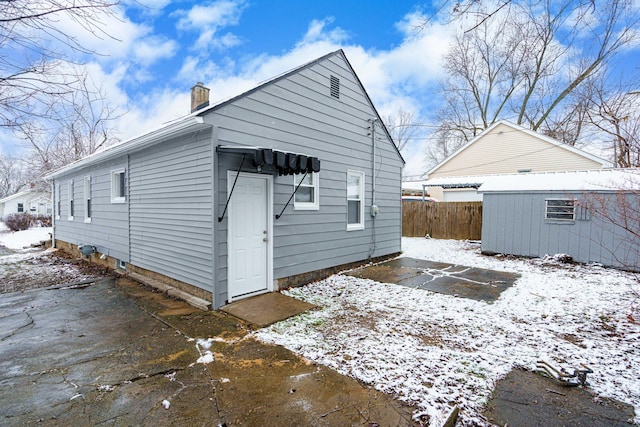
(564,377)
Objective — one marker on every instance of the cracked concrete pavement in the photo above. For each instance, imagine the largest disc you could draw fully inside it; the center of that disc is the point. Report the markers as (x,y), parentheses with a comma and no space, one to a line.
(122,354)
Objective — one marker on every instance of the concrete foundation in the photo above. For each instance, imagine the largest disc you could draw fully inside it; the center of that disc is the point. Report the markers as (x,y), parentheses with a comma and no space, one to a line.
(203,298)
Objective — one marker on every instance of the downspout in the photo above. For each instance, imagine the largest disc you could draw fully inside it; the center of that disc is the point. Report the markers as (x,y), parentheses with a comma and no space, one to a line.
(54,203)
(374,208)
(127,177)
(215,228)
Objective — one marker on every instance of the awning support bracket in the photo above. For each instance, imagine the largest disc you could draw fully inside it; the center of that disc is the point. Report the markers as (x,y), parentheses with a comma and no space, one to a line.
(220,218)
(292,194)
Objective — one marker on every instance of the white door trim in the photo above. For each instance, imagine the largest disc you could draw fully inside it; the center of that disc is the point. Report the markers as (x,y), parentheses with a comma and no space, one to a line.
(231,176)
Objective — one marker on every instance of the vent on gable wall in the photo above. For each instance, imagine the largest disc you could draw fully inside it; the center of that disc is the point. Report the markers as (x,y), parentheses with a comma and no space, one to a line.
(335,87)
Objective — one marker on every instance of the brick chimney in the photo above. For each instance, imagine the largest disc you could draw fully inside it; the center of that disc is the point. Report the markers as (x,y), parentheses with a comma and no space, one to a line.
(199,96)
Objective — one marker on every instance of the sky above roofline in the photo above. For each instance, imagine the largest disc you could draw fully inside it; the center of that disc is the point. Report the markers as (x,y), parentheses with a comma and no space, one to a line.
(159,49)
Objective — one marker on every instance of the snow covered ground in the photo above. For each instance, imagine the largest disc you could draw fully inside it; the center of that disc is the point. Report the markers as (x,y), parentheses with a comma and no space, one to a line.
(23,239)
(435,350)
(31,268)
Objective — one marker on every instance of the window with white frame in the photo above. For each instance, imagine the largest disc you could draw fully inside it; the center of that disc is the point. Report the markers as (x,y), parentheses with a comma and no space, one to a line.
(355,200)
(20,207)
(118,193)
(306,197)
(560,210)
(70,195)
(58,202)
(87,199)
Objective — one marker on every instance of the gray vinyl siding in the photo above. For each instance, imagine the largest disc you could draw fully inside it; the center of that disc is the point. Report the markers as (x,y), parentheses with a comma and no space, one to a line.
(109,227)
(297,114)
(171,209)
(177,188)
(514,223)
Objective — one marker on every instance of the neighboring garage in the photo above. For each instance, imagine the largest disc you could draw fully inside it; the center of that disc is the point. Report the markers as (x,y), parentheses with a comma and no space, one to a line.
(592,216)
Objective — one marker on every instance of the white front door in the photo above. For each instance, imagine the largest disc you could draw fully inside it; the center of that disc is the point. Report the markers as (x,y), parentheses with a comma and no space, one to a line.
(249,235)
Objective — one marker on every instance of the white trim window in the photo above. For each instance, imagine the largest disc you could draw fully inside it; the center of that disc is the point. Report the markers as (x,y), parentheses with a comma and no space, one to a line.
(20,207)
(355,200)
(118,188)
(58,201)
(71,201)
(307,196)
(87,199)
(560,210)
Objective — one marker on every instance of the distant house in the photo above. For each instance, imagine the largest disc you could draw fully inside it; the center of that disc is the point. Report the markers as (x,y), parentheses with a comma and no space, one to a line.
(503,148)
(593,216)
(277,186)
(29,201)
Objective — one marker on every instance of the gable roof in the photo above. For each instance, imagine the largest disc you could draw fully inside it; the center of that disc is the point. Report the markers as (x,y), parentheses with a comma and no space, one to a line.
(15,196)
(286,74)
(601,180)
(194,121)
(554,142)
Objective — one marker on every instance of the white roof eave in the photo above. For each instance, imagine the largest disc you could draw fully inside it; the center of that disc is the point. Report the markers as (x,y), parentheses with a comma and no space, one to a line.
(188,124)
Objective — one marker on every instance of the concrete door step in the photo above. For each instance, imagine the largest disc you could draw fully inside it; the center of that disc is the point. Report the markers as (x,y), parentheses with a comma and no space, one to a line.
(266,309)
(197,302)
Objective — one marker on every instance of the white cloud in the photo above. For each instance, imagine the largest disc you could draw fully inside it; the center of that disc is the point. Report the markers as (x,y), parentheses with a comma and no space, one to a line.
(112,35)
(399,77)
(154,109)
(318,32)
(208,19)
(153,48)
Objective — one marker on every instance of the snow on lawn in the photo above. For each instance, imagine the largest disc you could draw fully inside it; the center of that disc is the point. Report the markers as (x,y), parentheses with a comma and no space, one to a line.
(434,350)
(25,238)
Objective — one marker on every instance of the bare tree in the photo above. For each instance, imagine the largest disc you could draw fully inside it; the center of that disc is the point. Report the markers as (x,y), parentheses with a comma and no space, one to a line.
(12,176)
(619,213)
(34,49)
(616,113)
(402,127)
(527,61)
(79,123)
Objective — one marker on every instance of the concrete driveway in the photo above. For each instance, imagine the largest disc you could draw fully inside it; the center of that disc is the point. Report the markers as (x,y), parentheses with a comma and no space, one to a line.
(114,352)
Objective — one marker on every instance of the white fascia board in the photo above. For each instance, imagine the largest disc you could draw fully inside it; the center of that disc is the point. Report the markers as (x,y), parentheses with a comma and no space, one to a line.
(15,196)
(189,124)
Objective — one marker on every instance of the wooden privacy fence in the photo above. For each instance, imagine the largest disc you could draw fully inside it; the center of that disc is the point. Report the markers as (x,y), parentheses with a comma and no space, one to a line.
(442,220)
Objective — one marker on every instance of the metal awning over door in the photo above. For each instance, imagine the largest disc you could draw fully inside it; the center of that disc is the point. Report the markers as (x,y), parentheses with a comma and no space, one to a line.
(286,163)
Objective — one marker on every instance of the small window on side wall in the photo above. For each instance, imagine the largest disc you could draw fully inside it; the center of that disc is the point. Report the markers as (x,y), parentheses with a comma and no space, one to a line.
(118,193)
(355,200)
(20,207)
(307,196)
(58,202)
(87,199)
(71,201)
(560,210)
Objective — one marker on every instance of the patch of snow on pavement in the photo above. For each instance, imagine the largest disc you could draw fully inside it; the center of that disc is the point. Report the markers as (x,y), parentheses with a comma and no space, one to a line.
(435,351)
(23,239)
(206,356)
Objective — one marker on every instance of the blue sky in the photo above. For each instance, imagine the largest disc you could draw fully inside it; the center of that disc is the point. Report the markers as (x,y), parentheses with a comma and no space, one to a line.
(163,48)
(160,49)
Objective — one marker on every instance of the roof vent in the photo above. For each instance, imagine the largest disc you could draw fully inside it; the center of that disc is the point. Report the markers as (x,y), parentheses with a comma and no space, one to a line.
(335,87)
(199,97)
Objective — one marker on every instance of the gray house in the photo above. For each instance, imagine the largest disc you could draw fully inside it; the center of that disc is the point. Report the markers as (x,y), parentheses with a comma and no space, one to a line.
(593,216)
(278,186)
